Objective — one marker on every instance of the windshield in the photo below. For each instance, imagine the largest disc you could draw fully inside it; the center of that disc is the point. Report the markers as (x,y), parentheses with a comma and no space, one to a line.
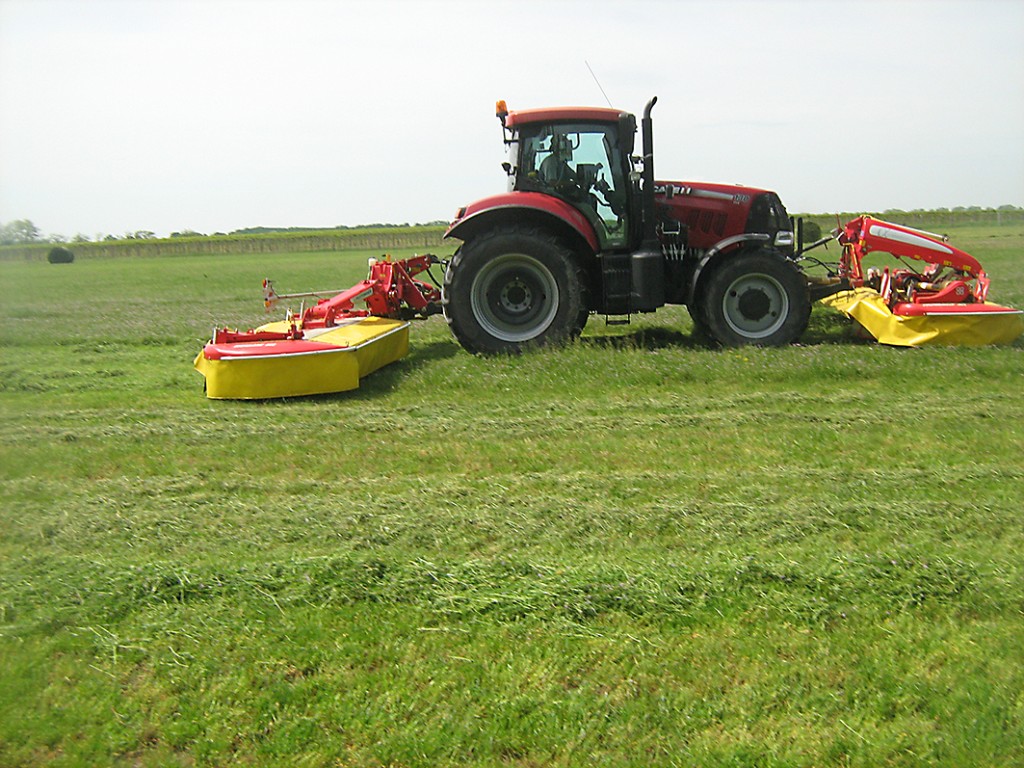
(580,164)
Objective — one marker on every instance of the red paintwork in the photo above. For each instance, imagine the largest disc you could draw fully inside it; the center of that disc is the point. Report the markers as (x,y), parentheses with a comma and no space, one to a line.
(229,336)
(390,288)
(710,212)
(952,292)
(913,309)
(536,201)
(220,351)
(562,114)
(865,234)
(944,283)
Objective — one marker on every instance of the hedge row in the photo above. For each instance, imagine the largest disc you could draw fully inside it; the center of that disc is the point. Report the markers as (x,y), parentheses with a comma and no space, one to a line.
(342,240)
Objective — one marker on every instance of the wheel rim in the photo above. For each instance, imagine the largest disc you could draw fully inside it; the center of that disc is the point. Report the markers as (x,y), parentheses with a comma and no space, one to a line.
(514,297)
(755,305)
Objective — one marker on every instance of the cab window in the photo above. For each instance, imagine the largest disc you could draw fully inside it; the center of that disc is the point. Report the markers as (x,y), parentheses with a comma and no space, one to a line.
(582,165)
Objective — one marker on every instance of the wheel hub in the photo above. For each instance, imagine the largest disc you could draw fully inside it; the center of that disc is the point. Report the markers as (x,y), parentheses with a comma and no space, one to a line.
(755,305)
(516,296)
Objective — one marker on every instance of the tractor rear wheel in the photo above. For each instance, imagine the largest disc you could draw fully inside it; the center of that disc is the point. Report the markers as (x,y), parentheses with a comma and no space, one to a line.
(754,298)
(511,289)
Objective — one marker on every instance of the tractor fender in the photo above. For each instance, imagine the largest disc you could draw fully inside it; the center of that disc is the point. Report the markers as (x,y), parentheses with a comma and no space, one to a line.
(536,208)
(718,251)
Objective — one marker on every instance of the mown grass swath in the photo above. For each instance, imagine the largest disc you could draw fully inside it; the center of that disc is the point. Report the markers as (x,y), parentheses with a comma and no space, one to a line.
(630,551)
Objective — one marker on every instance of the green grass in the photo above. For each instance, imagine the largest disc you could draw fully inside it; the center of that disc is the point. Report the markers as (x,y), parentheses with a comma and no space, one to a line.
(631,551)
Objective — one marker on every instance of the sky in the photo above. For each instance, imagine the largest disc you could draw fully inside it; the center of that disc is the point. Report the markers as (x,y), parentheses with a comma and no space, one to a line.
(213,115)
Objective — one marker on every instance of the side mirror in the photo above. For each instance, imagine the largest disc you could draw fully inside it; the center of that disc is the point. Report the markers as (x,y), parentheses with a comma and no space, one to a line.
(627,133)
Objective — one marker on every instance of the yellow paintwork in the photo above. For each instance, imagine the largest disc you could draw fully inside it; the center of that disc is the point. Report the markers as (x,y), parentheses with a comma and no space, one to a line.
(364,346)
(869,309)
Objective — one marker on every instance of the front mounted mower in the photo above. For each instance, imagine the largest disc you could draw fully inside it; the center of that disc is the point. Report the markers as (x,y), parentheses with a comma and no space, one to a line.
(945,302)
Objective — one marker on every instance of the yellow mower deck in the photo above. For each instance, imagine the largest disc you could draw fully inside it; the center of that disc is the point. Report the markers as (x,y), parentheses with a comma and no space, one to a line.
(325,360)
(981,328)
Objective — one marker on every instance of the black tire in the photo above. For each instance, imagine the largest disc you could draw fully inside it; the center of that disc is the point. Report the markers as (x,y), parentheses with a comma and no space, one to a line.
(700,323)
(755,298)
(511,289)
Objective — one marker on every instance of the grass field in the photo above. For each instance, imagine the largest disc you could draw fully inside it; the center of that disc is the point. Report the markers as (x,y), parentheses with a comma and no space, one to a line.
(631,551)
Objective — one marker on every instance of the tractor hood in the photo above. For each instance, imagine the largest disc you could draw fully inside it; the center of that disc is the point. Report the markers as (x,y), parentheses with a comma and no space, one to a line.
(711,212)
(733,193)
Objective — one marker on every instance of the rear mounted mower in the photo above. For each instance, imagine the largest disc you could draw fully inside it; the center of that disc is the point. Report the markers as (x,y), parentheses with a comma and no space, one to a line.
(327,347)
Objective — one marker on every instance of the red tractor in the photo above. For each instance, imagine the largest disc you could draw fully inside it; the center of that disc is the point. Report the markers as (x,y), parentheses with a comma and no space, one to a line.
(581,231)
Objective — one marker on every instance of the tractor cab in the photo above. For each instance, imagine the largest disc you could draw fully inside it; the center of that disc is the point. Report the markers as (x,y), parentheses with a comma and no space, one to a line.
(581,156)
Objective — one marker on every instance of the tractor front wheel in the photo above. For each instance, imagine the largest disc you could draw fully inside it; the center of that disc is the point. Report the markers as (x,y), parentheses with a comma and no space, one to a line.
(755,298)
(511,289)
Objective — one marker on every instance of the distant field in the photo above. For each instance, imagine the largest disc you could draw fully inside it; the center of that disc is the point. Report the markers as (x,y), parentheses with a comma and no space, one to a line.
(633,551)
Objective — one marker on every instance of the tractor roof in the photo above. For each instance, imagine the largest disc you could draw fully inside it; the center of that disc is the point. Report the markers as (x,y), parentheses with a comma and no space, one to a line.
(563,114)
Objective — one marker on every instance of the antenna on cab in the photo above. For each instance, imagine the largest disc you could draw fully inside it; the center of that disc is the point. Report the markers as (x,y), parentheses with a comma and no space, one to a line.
(598,83)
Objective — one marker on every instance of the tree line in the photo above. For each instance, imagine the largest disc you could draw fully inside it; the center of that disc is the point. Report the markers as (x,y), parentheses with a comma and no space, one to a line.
(25,232)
